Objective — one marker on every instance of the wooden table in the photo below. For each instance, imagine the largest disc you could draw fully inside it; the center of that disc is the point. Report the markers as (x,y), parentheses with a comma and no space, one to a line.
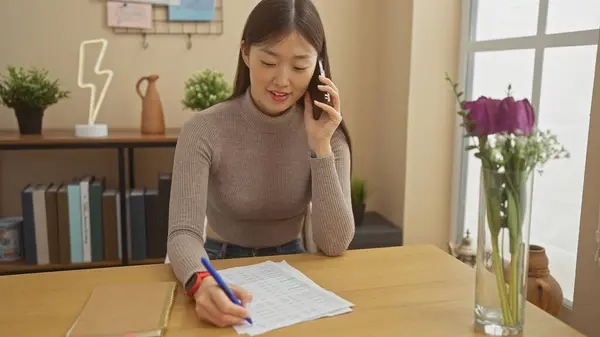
(397,291)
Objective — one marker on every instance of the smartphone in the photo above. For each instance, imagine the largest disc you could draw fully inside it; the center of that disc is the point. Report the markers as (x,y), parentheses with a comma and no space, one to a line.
(314,91)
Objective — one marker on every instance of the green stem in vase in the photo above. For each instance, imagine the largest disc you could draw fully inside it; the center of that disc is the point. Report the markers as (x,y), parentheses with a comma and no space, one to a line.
(514,286)
(514,220)
(500,282)
(493,202)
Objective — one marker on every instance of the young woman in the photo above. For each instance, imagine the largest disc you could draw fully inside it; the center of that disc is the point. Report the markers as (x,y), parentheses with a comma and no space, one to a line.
(252,164)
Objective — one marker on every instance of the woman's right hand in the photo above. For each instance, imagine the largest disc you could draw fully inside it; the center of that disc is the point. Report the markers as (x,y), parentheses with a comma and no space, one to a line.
(213,305)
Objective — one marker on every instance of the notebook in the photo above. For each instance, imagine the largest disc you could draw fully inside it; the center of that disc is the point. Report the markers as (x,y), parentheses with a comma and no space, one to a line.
(140,309)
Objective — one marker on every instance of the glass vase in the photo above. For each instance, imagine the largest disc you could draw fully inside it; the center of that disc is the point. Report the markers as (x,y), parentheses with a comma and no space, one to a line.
(502,251)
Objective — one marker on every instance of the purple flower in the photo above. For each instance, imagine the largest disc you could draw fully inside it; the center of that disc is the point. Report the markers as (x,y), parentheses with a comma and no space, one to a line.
(489,116)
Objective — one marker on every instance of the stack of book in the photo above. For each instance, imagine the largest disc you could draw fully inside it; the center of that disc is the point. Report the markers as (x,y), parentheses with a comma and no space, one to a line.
(80,221)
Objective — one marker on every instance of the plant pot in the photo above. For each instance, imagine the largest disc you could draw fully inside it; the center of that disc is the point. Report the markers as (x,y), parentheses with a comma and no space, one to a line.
(30,120)
(359,214)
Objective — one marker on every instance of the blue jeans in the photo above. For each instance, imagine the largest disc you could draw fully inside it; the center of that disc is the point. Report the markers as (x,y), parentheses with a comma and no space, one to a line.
(221,250)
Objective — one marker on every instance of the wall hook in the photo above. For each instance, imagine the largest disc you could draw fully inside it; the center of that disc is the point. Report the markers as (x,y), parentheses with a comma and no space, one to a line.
(144,41)
(189,41)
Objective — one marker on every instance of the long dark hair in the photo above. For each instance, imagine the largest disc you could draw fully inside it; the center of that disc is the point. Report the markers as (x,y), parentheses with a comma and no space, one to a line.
(271,19)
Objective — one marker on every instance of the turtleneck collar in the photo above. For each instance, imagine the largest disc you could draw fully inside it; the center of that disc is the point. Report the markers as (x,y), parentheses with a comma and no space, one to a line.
(263,122)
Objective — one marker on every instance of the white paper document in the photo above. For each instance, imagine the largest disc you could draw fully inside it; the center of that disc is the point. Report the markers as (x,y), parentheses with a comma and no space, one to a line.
(282,296)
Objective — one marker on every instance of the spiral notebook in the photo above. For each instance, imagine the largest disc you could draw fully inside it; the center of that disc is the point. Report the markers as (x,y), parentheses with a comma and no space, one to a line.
(140,309)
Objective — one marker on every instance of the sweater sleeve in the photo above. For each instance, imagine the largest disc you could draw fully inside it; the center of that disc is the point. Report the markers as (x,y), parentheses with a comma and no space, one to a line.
(194,155)
(332,219)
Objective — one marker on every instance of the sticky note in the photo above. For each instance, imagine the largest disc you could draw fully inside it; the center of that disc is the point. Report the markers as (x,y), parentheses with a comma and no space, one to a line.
(193,10)
(128,14)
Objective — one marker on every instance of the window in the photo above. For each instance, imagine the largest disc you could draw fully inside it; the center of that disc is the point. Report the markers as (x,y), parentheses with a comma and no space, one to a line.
(546,49)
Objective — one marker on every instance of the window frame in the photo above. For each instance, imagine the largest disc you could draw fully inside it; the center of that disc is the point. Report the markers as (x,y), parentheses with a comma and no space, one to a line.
(468,47)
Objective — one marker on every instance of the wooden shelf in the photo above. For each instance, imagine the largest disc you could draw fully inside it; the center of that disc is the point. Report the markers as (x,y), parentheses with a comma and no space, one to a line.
(67,137)
(148,261)
(375,232)
(123,140)
(21,267)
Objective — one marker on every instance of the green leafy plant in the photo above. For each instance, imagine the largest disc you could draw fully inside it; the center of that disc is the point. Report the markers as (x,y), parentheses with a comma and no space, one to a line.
(29,89)
(205,89)
(358,191)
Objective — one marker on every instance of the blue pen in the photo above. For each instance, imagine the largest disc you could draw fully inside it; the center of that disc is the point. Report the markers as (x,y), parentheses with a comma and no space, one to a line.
(222,284)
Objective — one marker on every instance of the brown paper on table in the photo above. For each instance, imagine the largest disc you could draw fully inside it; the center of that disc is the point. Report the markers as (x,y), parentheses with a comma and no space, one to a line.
(140,310)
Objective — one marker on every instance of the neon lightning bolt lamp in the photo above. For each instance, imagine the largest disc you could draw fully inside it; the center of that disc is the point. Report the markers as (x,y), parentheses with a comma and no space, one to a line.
(91,129)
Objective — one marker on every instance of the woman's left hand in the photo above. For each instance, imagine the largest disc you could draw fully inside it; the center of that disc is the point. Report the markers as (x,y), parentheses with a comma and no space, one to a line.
(320,131)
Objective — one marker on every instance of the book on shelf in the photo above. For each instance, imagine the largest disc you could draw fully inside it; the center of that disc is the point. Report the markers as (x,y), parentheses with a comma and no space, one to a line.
(79,221)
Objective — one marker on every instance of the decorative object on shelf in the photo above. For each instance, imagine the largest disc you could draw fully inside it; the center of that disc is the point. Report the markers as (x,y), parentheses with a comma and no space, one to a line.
(11,236)
(358,195)
(153,119)
(29,92)
(205,89)
(542,289)
(91,129)
(466,251)
(510,147)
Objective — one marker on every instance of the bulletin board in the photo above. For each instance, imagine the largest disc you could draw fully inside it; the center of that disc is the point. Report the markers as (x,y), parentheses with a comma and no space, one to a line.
(162,25)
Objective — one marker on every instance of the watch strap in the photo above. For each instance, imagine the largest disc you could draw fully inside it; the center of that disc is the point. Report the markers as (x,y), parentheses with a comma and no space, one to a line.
(194,282)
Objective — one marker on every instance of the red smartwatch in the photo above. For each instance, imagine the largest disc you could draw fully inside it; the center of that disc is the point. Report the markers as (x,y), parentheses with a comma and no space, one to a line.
(191,286)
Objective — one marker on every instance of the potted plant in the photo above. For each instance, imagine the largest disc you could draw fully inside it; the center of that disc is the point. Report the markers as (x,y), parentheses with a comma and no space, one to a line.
(358,196)
(29,92)
(205,89)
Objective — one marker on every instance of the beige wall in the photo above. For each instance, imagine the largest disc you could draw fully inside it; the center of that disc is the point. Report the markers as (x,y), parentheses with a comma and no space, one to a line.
(376,66)
(431,121)
(586,300)
(392,95)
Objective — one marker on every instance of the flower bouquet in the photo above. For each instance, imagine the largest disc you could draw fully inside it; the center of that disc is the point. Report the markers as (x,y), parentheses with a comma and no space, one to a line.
(506,140)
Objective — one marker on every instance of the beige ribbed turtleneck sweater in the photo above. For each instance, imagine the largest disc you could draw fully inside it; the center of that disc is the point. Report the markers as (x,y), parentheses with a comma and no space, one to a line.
(252,176)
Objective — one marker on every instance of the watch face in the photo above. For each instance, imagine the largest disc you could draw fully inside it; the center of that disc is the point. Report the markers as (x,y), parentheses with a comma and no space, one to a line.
(191,282)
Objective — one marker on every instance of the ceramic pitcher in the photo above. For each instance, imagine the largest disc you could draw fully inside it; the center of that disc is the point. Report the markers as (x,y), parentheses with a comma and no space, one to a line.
(542,288)
(153,120)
